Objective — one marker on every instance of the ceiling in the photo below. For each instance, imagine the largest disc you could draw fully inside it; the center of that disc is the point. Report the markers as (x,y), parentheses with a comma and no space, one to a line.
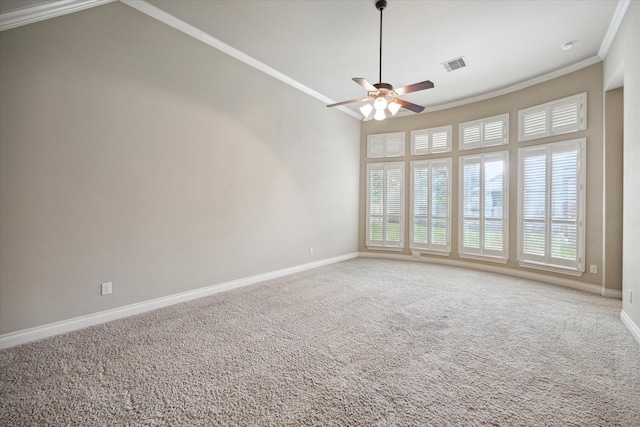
(322,44)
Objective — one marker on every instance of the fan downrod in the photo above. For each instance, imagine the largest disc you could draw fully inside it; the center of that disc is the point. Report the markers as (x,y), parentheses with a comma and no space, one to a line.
(383,90)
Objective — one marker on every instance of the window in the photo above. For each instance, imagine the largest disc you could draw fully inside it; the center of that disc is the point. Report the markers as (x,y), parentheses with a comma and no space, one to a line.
(434,140)
(484,132)
(430,201)
(385,145)
(385,212)
(551,206)
(553,118)
(483,228)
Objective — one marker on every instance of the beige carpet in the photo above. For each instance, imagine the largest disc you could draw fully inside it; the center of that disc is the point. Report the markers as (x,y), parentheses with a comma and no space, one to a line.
(360,343)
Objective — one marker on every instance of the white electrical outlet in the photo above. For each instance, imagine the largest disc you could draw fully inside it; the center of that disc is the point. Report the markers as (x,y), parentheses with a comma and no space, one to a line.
(106,288)
(310,251)
(593,269)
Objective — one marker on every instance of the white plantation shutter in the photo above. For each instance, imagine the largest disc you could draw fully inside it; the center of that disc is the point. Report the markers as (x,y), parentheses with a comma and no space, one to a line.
(375,205)
(395,144)
(434,140)
(393,204)
(471,204)
(565,116)
(534,182)
(376,146)
(534,124)
(420,203)
(484,200)
(440,205)
(385,145)
(441,140)
(430,202)
(485,132)
(494,131)
(470,136)
(553,118)
(420,142)
(551,206)
(385,211)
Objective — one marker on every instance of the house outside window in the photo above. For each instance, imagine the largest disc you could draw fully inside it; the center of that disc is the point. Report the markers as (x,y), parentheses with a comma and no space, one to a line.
(483,226)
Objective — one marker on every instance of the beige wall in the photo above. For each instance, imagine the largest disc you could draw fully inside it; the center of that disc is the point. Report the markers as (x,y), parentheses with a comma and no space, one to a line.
(586,80)
(625,54)
(613,197)
(134,154)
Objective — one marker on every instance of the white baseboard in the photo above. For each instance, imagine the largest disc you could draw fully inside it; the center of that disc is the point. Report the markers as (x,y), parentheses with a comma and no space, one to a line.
(611,293)
(567,283)
(632,327)
(51,329)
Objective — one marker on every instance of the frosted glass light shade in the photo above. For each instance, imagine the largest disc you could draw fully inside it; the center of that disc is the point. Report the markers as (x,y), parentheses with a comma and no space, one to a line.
(379,115)
(394,107)
(366,110)
(380,103)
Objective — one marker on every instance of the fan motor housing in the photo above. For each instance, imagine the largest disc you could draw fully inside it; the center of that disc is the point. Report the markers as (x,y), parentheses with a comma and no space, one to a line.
(384,89)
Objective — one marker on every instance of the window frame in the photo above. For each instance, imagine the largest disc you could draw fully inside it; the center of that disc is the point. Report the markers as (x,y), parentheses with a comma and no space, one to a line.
(430,132)
(482,124)
(545,111)
(385,244)
(482,253)
(430,248)
(536,262)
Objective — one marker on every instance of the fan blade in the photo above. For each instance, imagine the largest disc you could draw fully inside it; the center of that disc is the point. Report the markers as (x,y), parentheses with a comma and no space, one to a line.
(414,87)
(365,84)
(351,101)
(410,106)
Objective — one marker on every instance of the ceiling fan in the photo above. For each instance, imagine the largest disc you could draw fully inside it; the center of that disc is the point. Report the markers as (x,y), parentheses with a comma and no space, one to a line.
(383,95)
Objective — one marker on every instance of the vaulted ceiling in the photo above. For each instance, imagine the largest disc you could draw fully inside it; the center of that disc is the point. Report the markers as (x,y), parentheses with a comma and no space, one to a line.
(322,44)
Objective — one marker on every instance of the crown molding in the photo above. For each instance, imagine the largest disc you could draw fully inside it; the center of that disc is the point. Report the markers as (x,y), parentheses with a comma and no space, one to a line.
(29,15)
(614,25)
(178,24)
(518,86)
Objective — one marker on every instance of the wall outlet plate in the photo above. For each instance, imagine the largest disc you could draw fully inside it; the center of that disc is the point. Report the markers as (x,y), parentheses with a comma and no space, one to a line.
(593,269)
(106,288)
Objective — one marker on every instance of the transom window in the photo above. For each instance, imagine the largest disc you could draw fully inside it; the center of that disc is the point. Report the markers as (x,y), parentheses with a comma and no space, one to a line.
(485,132)
(385,145)
(553,118)
(434,140)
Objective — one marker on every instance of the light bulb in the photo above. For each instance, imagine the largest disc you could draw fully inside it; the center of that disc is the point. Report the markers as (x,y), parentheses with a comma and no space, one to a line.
(366,110)
(394,106)
(380,103)
(379,115)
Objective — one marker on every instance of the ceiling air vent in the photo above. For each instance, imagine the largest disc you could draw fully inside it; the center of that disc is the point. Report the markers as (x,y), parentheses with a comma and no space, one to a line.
(454,64)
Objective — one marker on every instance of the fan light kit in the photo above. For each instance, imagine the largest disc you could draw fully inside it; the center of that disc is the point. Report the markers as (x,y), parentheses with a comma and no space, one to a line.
(383,97)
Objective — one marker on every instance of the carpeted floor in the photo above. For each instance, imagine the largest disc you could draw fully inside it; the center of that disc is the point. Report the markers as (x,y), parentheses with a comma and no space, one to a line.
(360,343)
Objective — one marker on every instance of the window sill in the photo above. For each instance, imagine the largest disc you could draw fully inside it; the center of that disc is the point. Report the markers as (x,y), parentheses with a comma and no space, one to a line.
(554,269)
(484,258)
(418,252)
(384,248)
